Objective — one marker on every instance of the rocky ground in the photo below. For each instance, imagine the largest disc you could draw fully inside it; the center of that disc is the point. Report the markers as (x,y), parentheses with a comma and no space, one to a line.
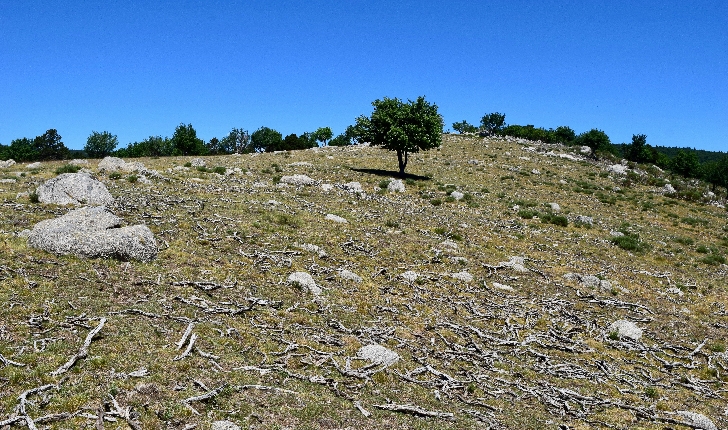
(502,284)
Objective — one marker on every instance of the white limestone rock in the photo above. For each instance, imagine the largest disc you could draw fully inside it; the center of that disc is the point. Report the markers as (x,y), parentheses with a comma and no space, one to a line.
(378,355)
(305,281)
(625,328)
(348,275)
(93,232)
(336,218)
(410,276)
(297,180)
(396,186)
(74,189)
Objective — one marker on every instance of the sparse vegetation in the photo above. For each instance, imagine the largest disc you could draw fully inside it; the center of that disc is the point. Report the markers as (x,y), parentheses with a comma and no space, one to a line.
(505,349)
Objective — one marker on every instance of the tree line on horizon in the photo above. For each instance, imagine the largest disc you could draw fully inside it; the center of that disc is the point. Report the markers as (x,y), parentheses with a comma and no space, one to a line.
(394,125)
(710,166)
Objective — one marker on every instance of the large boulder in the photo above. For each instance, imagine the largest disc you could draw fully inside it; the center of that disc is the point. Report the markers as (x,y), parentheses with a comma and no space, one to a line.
(74,189)
(93,232)
(111,164)
(7,163)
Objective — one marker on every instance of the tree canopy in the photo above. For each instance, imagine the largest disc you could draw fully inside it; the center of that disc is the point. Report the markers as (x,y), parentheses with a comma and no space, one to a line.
(493,122)
(99,145)
(402,127)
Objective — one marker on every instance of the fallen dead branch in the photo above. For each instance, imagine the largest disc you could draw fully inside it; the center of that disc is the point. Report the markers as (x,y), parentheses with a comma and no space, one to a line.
(82,353)
(416,410)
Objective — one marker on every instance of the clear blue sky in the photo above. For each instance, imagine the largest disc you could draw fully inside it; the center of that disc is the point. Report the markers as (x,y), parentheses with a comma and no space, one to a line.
(137,69)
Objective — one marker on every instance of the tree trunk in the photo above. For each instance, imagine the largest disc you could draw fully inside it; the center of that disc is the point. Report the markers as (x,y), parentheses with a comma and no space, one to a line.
(402,158)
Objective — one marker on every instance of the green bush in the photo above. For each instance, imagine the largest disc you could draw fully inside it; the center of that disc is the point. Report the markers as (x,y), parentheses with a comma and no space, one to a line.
(132,178)
(33,197)
(220,170)
(555,219)
(527,213)
(713,259)
(629,242)
(114,175)
(67,168)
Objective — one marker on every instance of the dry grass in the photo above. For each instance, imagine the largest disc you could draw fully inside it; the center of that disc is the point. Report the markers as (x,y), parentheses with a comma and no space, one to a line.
(536,357)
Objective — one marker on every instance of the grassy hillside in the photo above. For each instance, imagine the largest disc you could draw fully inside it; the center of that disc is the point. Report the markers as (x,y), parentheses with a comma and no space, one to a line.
(514,347)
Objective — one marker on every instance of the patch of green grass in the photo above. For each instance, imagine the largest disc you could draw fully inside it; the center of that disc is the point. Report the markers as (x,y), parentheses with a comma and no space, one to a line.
(713,259)
(33,197)
(188,164)
(132,178)
(652,393)
(559,220)
(527,213)
(683,240)
(67,168)
(384,184)
(114,175)
(435,202)
(629,242)
(694,221)
(702,249)
(220,170)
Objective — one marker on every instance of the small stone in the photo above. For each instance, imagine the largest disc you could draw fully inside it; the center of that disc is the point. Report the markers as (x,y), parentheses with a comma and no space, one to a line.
(536,172)
(305,281)
(297,180)
(582,219)
(699,421)
(378,354)
(410,276)
(457,195)
(503,287)
(555,207)
(336,218)
(353,187)
(625,328)
(327,187)
(224,425)
(348,275)
(396,186)
(462,276)
(197,162)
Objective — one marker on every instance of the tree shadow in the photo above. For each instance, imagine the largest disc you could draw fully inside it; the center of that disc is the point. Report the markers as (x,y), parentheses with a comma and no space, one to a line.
(392,173)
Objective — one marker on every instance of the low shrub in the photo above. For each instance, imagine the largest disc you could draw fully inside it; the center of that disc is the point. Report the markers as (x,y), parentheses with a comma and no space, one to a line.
(68,168)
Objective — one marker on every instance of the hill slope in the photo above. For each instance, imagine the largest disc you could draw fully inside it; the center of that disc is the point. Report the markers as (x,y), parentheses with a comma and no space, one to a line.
(213,330)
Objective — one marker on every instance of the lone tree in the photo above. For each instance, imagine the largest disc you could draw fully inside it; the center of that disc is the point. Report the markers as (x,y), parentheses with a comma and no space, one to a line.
(323,135)
(186,142)
(49,146)
(595,139)
(99,145)
(266,139)
(403,127)
(492,123)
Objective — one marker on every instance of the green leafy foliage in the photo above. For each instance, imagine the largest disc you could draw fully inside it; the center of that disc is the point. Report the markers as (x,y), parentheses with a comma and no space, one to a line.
(49,146)
(185,141)
(67,168)
(266,139)
(153,146)
(323,135)
(685,163)
(21,150)
(402,127)
(236,142)
(464,127)
(492,123)
(595,139)
(99,145)
(639,151)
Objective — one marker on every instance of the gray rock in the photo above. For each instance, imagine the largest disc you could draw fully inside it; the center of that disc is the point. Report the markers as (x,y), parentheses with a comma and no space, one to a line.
(111,164)
(396,186)
(336,218)
(581,219)
(515,263)
(462,276)
(457,195)
(353,187)
(197,162)
(668,189)
(348,275)
(410,276)
(555,208)
(93,232)
(77,162)
(7,163)
(619,169)
(625,328)
(378,354)
(74,189)
(224,425)
(305,281)
(36,165)
(699,421)
(314,249)
(585,150)
(297,180)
